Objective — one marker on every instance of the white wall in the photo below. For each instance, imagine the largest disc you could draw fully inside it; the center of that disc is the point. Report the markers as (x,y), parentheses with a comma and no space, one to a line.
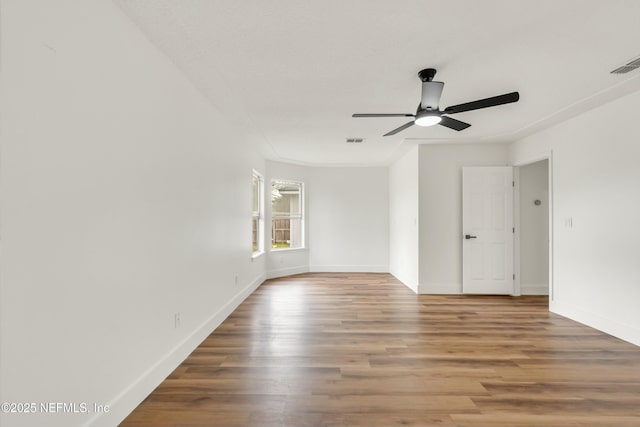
(403,219)
(440,223)
(534,228)
(288,261)
(596,236)
(346,220)
(348,217)
(125,199)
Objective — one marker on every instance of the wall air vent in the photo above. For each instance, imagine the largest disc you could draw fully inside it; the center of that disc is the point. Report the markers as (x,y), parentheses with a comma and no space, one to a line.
(355,140)
(629,66)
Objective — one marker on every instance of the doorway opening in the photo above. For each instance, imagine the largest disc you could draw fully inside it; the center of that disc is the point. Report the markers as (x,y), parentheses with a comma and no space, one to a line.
(533,225)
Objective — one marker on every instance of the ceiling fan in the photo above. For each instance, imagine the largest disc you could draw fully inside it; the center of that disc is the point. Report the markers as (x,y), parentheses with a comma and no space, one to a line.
(429,113)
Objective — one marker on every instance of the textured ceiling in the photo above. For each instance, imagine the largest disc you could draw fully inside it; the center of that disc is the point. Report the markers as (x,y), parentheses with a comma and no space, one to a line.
(290,73)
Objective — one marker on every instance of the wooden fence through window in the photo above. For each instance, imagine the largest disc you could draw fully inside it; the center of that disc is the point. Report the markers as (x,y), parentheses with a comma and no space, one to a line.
(280,231)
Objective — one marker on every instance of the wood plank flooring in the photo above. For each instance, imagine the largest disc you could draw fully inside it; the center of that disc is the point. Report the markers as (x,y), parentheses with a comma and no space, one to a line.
(363,350)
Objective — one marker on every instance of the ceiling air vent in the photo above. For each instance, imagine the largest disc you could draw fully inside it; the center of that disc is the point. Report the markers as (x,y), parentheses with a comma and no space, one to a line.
(630,66)
(355,140)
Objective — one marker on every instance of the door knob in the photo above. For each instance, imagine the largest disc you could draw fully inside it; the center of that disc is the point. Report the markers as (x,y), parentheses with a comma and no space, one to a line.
(469,236)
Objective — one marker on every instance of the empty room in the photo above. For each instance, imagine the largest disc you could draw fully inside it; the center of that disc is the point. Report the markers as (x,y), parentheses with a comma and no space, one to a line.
(338,213)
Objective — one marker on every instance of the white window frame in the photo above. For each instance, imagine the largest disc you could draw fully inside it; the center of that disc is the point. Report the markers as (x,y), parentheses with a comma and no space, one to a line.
(259,215)
(302,216)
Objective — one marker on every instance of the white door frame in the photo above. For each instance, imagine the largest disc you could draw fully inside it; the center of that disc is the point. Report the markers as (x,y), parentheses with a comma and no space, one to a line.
(516,221)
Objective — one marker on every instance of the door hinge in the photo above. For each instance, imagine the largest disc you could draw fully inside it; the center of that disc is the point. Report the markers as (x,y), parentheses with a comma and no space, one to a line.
(513,183)
(514,276)
(514,229)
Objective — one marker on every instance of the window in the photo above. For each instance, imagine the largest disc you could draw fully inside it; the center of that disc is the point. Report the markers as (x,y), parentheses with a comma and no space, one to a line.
(257,219)
(287,214)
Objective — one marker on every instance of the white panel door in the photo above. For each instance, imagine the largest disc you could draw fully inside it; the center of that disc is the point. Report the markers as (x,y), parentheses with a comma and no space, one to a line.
(487,230)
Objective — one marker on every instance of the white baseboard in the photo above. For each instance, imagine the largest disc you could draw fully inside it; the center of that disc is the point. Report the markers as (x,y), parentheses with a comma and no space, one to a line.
(456,289)
(625,332)
(534,289)
(272,274)
(440,288)
(134,394)
(349,268)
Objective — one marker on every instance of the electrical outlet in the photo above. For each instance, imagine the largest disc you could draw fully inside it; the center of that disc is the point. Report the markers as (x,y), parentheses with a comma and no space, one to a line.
(176,320)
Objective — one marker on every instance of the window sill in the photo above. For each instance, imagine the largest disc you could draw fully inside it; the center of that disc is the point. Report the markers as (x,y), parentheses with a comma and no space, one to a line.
(287,249)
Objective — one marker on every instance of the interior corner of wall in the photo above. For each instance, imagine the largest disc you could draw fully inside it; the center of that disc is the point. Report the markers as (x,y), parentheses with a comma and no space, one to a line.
(408,283)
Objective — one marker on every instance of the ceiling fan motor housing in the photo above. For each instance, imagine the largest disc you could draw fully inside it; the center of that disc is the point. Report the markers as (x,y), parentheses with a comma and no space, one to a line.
(431,91)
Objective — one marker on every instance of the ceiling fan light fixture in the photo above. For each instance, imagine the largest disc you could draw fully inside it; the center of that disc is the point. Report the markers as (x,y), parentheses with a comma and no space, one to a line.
(428,120)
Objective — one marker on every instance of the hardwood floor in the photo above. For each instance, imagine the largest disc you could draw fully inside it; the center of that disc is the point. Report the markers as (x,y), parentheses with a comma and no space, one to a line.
(363,350)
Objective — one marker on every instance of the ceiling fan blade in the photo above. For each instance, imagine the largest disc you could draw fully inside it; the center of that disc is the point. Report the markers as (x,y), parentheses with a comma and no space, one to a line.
(483,103)
(383,115)
(453,123)
(431,93)
(400,129)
